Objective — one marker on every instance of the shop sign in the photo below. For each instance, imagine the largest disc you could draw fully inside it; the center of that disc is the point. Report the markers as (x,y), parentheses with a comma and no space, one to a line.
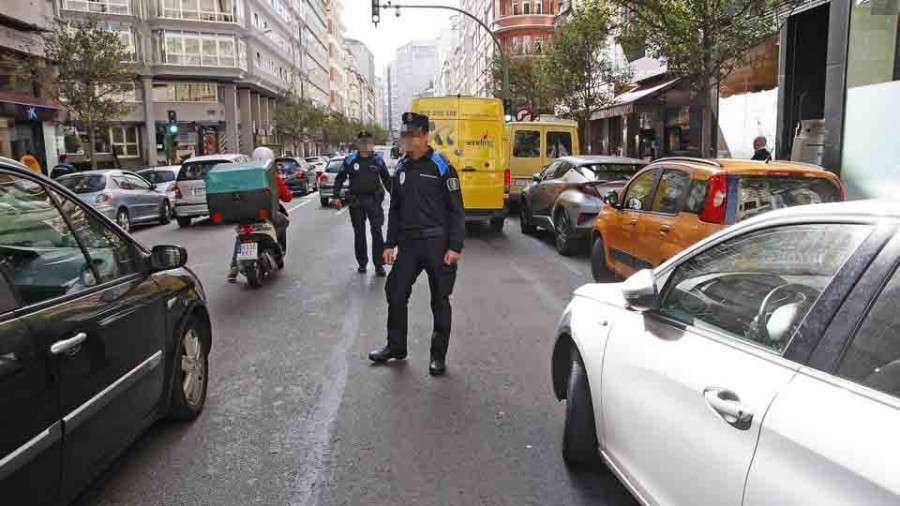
(612,112)
(27,112)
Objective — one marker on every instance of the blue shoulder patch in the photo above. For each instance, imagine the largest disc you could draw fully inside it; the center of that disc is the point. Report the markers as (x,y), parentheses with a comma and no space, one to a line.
(400,164)
(441,162)
(351,157)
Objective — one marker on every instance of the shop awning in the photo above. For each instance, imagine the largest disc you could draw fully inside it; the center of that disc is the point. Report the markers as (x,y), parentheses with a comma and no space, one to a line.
(624,103)
(28,108)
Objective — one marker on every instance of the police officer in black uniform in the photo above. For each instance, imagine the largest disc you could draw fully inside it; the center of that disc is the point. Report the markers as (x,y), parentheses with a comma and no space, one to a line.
(426,228)
(368,178)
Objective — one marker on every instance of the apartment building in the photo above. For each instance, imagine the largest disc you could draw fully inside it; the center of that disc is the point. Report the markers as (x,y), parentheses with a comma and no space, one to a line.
(317,86)
(413,71)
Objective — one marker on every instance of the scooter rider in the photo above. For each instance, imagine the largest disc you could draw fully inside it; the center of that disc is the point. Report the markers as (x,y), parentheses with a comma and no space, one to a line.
(368,179)
(279,216)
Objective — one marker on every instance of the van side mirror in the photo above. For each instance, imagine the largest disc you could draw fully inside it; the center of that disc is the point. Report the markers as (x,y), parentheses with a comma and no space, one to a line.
(640,291)
(612,198)
(536,178)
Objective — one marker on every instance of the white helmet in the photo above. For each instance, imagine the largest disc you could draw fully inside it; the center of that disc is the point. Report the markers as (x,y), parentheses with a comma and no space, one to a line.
(263,154)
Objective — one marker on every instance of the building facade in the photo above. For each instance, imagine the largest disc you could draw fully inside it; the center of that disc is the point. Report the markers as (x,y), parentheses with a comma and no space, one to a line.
(317,85)
(27,110)
(524,26)
(362,80)
(413,71)
(336,58)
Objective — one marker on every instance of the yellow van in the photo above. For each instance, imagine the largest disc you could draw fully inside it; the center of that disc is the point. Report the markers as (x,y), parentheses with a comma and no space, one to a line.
(469,132)
(534,145)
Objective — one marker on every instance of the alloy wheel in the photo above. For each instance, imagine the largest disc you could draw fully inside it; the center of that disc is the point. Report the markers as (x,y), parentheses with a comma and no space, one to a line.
(123,221)
(193,366)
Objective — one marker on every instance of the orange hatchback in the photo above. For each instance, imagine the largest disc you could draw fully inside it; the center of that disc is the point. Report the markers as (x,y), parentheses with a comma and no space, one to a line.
(675,202)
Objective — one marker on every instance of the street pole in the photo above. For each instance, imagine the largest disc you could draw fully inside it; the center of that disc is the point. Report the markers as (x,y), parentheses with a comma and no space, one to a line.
(503,60)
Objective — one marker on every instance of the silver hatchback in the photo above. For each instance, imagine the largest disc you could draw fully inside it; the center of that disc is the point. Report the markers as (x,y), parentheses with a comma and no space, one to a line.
(121,195)
(190,188)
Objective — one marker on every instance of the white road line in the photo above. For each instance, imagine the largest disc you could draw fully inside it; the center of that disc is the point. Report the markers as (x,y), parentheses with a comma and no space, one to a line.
(299,205)
(342,211)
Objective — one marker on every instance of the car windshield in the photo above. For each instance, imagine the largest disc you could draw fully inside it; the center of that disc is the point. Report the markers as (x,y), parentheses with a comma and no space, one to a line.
(334,166)
(158,176)
(609,171)
(287,165)
(762,194)
(192,171)
(84,183)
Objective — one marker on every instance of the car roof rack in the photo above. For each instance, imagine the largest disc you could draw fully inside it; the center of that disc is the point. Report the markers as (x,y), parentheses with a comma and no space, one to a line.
(689,159)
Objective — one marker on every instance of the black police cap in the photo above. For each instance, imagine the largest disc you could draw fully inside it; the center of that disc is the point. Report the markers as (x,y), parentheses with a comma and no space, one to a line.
(364,135)
(412,120)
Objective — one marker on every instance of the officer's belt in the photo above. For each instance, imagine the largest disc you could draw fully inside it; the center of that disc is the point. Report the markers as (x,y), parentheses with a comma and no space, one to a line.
(424,233)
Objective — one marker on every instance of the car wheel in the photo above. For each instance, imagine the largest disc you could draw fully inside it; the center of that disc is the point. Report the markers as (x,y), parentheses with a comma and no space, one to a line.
(323,201)
(183,221)
(599,270)
(165,214)
(580,432)
(497,225)
(563,229)
(123,220)
(524,221)
(191,375)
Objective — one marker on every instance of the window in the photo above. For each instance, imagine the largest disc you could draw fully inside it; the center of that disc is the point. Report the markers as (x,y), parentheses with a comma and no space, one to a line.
(527,144)
(548,173)
(696,197)
(526,44)
(125,141)
(538,6)
(185,92)
(637,197)
(38,250)
(561,169)
(538,45)
(760,194)
(516,7)
(110,254)
(99,6)
(673,185)
(758,287)
(123,138)
(559,144)
(526,7)
(199,49)
(222,11)
(137,183)
(609,171)
(873,357)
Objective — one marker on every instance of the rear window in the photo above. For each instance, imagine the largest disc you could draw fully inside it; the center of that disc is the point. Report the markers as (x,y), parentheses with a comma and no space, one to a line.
(287,165)
(758,195)
(192,171)
(84,183)
(158,176)
(609,171)
(334,166)
(559,144)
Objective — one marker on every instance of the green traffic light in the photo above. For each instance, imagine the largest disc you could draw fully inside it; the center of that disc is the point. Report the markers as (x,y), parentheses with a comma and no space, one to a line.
(172,128)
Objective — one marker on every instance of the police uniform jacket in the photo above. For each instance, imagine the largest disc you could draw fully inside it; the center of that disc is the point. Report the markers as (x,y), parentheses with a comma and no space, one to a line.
(426,201)
(368,175)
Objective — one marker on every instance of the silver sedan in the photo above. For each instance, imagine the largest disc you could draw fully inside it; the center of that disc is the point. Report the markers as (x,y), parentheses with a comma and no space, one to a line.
(121,195)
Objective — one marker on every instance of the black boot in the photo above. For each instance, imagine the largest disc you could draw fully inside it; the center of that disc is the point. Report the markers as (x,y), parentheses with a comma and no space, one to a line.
(379,271)
(384,354)
(437,367)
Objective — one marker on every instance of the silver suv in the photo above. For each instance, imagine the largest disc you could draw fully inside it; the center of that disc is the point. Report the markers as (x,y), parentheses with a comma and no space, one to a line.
(190,189)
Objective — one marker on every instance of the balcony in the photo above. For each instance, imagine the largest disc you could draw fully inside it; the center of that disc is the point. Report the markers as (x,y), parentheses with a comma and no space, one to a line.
(98,6)
(524,21)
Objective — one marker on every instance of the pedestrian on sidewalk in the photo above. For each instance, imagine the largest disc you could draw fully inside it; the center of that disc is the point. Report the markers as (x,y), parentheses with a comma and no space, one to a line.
(760,153)
(426,228)
(368,178)
(32,162)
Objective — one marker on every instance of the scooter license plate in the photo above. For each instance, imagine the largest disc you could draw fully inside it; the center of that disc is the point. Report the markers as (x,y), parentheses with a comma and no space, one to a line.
(247,251)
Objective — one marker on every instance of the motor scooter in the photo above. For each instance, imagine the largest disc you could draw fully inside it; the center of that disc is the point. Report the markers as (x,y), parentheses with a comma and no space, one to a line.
(258,252)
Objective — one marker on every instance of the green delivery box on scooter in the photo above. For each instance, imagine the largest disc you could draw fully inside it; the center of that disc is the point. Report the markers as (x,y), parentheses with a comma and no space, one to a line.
(242,193)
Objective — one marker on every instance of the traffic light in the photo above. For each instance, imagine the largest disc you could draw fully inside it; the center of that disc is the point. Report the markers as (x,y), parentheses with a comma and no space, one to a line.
(376,12)
(172,127)
(507,109)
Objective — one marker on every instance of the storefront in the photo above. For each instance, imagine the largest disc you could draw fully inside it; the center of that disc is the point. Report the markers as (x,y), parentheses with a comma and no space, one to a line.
(26,127)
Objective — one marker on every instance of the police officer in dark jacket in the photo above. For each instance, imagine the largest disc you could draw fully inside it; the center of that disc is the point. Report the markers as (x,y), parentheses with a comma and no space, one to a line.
(368,178)
(426,227)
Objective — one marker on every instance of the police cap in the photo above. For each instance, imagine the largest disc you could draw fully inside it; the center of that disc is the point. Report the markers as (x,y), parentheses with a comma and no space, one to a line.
(414,123)
(364,134)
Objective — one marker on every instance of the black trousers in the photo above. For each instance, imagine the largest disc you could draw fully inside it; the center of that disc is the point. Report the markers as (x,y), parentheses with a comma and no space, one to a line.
(413,257)
(365,207)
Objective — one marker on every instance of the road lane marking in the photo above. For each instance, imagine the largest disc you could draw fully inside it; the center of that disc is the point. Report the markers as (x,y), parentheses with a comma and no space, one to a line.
(342,211)
(299,205)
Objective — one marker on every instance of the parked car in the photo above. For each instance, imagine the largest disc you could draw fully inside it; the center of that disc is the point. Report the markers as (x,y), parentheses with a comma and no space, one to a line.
(675,202)
(317,163)
(121,196)
(190,187)
(568,195)
(164,179)
(326,180)
(99,338)
(297,174)
(759,366)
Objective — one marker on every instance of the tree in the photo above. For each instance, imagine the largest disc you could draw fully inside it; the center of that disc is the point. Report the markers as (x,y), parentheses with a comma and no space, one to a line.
(529,84)
(298,120)
(92,77)
(581,75)
(701,41)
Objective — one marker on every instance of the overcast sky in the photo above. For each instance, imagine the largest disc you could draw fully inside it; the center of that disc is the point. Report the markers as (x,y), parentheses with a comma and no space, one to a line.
(393,32)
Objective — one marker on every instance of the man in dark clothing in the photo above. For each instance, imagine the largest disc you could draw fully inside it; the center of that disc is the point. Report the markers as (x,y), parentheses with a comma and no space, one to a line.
(368,178)
(760,152)
(426,225)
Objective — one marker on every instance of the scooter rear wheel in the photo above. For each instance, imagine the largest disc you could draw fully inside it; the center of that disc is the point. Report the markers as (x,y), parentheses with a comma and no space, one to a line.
(255,276)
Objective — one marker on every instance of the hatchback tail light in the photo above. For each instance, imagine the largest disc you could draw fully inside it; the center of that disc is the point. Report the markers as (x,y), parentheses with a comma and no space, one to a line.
(840,187)
(323,178)
(177,191)
(716,200)
(507,179)
(103,198)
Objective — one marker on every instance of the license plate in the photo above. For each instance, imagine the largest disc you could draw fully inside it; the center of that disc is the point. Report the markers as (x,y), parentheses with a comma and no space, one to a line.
(247,251)
(198,192)
(521,182)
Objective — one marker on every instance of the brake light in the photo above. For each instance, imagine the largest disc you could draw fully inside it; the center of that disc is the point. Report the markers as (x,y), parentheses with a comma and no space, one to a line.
(177,191)
(217,217)
(323,178)
(840,187)
(716,200)
(103,198)
(263,214)
(246,229)
(507,177)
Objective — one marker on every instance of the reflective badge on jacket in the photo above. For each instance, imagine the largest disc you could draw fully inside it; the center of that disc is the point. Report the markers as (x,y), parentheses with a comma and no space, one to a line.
(453,184)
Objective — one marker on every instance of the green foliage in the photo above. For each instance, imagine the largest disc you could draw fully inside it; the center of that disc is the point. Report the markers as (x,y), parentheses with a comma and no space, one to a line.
(529,83)
(298,120)
(92,77)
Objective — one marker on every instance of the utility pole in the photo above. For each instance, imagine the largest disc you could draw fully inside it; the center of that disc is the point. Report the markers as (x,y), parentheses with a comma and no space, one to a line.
(504,61)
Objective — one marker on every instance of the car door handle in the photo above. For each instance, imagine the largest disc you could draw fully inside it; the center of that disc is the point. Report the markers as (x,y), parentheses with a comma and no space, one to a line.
(68,346)
(469,169)
(665,228)
(728,406)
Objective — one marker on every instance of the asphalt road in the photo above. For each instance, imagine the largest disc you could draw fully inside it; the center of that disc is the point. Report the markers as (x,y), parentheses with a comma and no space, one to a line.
(296,414)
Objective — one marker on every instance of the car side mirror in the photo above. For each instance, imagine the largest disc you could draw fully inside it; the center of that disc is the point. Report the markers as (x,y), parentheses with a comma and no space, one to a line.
(640,291)
(612,198)
(536,178)
(164,258)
